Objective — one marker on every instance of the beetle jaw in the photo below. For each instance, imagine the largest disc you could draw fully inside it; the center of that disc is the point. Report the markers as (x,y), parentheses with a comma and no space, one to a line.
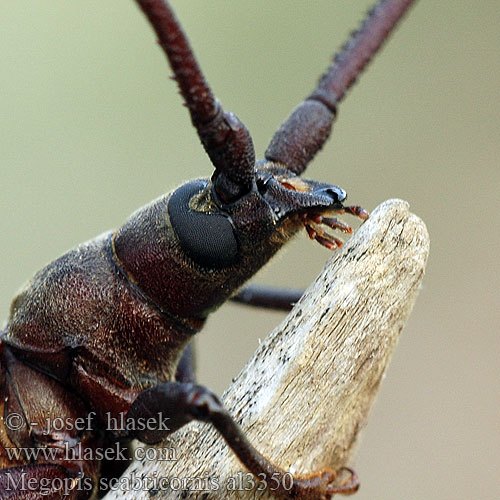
(288,194)
(297,203)
(280,203)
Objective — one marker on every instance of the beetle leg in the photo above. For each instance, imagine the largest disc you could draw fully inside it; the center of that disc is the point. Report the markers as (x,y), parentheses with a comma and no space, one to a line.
(347,487)
(280,299)
(180,403)
(186,369)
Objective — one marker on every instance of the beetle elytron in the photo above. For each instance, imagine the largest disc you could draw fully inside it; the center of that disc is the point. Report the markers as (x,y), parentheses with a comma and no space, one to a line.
(103,331)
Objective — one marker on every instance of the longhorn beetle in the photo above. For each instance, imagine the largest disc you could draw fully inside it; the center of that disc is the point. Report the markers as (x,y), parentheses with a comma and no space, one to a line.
(102,334)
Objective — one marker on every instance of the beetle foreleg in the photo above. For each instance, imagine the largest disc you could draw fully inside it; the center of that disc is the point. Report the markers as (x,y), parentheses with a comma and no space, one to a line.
(280,299)
(186,369)
(180,403)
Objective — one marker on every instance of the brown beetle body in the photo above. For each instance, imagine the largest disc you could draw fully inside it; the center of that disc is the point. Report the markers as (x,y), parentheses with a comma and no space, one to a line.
(100,334)
(98,310)
(91,319)
(90,322)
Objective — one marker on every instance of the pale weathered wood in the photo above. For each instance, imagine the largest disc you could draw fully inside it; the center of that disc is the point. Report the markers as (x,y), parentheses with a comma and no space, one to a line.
(304,396)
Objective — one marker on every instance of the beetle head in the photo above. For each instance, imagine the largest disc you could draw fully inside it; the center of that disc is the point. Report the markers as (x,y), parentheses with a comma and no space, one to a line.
(209,236)
(217,233)
(212,247)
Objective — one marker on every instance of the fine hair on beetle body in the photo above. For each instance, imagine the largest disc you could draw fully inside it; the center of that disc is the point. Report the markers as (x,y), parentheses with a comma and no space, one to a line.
(104,332)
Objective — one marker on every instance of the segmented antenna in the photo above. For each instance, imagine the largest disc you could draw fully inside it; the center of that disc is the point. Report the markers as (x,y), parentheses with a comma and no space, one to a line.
(305,131)
(224,137)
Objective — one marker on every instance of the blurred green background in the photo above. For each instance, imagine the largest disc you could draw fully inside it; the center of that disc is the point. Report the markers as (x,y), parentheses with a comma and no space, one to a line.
(92,128)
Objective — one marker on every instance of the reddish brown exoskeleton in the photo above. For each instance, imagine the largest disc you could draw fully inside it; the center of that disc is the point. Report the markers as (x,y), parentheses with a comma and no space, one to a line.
(102,334)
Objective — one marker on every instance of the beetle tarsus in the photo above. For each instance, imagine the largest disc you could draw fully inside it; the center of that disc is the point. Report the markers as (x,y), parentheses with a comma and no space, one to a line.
(347,487)
(323,485)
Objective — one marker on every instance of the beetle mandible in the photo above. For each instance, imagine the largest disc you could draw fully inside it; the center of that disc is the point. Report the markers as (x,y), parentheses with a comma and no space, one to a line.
(78,344)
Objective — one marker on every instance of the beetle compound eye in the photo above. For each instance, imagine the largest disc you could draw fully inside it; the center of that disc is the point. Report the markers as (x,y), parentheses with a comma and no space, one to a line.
(206,237)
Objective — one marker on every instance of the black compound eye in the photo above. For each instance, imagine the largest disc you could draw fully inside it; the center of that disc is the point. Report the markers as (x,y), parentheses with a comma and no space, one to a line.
(208,239)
